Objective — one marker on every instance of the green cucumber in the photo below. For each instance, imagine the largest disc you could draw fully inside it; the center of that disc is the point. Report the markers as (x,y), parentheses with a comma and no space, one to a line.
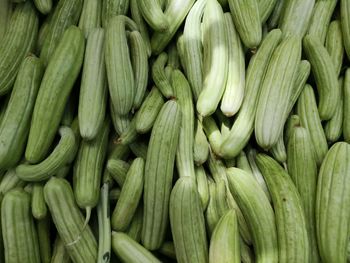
(346,109)
(211,213)
(10,181)
(111,8)
(139,148)
(334,44)
(5,15)
(152,12)
(118,170)
(43,228)
(39,208)
(276,14)
(90,17)
(200,145)
(213,134)
(243,163)
(44,6)
(55,87)
(345,22)
(135,228)
(168,249)
(266,7)
(202,186)
(104,226)
(59,252)
(159,76)
(279,151)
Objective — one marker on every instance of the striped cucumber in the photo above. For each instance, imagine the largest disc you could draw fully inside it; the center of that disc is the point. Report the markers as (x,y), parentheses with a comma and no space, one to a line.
(66,14)
(17,42)
(266,7)
(160,77)
(258,212)
(296,17)
(118,170)
(234,91)
(292,121)
(88,170)
(159,174)
(243,163)
(302,169)
(43,229)
(173,56)
(55,87)
(187,222)
(346,109)
(16,120)
(279,151)
(276,91)
(247,20)
(90,17)
(60,156)
(5,15)
(77,237)
(139,148)
(184,154)
(215,62)
(93,89)
(202,186)
(43,30)
(211,212)
(224,242)
(325,75)
(293,239)
(200,145)
(112,8)
(44,6)
(345,23)
(130,251)
(120,122)
(332,210)
(118,64)
(149,110)
(276,14)
(104,226)
(139,62)
(213,134)
(310,119)
(221,195)
(243,126)
(10,181)
(129,197)
(129,135)
(19,235)
(59,252)
(152,12)
(334,44)
(134,230)
(39,208)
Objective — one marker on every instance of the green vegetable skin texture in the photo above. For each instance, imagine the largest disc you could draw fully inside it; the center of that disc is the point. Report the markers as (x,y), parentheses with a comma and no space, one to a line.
(159,174)
(56,85)
(346,109)
(16,120)
(18,40)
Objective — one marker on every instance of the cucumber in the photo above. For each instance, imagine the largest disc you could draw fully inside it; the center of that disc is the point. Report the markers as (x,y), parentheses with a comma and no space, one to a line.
(39,208)
(200,145)
(159,174)
(293,120)
(139,148)
(118,170)
(202,186)
(16,120)
(345,22)
(93,89)
(104,226)
(215,63)
(276,14)
(55,87)
(243,163)
(66,14)
(120,74)
(279,151)
(5,15)
(213,134)
(332,211)
(43,30)
(59,252)
(187,222)
(90,17)
(266,7)
(325,75)
(43,228)
(10,181)
(160,77)
(247,20)
(211,213)
(334,44)
(346,109)
(293,239)
(18,228)
(120,122)
(77,237)
(168,249)
(43,6)
(129,135)
(258,212)
(152,12)
(17,42)
(111,8)
(135,228)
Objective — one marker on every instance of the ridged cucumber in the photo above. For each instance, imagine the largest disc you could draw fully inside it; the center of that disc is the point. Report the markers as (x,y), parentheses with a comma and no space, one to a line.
(200,145)
(90,17)
(5,15)
(160,77)
(59,252)
(334,44)
(266,7)
(346,109)
(104,226)
(112,8)
(39,208)
(44,6)
(345,23)
(153,14)
(202,186)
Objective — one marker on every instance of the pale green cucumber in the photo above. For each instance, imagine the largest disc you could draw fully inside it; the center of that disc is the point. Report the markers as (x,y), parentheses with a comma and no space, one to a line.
(118,170)
(213,134)
(59,252)
(345,22)
(211,213)
(276,92)
(346,109)
(120,74)
(17,42)
(226,122)
(276,14)
(43,229)
(325,75)
(258,212)
(5,15)
(39,208)
(224,243)
(215,61)
(104,226)
(134,230)
(334,44)
(293,240)
(159,174)
(152,12)
(234,91)
(221,197)
(129,135)
(310,119)
(139,62)
(173,56)
(279,151)
(129,197)
(16,119)
(112,8)
(332,209)
(296,16)
(184,154)
(247,254)
(130,251)
(120,122)
(321,16)
(243,163)
(53,94)
(60,156)
(200,145)
(159,76)
(44,6)
(139,148)
(192,44)
(93,88)
(18,228)
(88,169)
(243,126)
(10,181)
(292,121)
(90,17)
(187,222)
(65,14)
(77,236)
(245,14)
(334,127)
(302,168)
(175,13)
(202,186)
(266,7)
(149,110)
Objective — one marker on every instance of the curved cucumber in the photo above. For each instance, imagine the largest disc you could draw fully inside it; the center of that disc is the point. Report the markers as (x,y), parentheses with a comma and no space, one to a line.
(153,14)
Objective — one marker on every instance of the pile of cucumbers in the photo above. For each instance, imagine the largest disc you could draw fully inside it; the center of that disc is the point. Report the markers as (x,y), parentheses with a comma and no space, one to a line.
(190,131)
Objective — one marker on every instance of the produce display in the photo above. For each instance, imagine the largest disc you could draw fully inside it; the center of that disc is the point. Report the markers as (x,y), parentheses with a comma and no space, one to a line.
(190,131)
